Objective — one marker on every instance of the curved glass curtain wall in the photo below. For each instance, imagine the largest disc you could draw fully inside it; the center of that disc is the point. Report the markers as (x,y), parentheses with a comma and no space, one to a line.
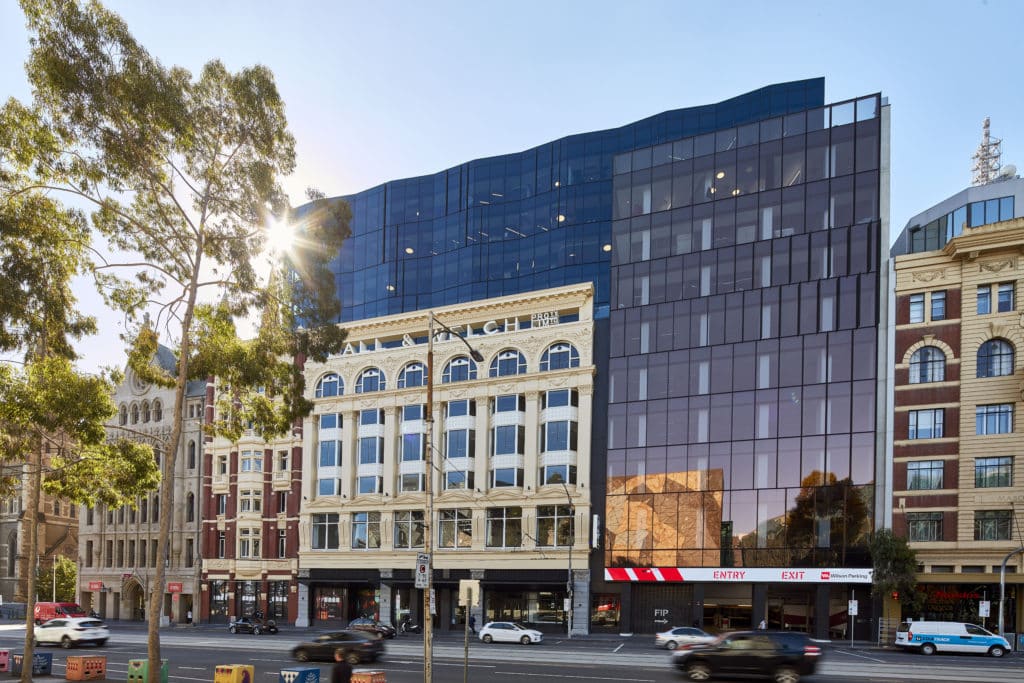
(744,312)
(518,222)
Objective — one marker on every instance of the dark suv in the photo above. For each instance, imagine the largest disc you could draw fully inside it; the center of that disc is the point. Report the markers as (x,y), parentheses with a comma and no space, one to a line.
(368,625)
(781,655)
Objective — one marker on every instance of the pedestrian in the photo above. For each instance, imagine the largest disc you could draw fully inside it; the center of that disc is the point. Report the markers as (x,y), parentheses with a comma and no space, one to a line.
(762,626)
(472,623)
(188,617)
(342,670)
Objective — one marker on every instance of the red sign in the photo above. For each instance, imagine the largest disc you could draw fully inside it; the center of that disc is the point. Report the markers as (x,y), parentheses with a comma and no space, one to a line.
(174,587)
(126,576)
(95,585)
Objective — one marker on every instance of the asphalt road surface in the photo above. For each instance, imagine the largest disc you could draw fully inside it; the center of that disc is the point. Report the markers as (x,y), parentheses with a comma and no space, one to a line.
(192,655)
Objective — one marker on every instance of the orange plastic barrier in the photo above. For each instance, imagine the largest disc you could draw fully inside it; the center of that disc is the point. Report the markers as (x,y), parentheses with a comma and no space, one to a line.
(368,677)
(86,668)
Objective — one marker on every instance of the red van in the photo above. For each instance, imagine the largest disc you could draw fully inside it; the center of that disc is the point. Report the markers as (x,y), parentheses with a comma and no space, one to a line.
(51,610)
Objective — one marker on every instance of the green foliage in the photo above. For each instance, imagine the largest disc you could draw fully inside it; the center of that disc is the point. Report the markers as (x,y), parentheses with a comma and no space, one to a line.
(48,402)
(65,579)
(895,569)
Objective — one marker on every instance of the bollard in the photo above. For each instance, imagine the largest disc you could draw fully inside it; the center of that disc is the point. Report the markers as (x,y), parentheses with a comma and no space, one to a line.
(42,663)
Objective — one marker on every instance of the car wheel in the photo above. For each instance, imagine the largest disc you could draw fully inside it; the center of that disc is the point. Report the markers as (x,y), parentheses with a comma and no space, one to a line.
(66,643)
(232,629)
(786,675)
(671,645)
(35,642)
(698,671)
(928,649)
(487,638)
(301,656)
(525,640)
(997,651)
(352,658)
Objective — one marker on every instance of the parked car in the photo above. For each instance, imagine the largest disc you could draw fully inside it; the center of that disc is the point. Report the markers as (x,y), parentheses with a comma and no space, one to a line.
(509,632)
(45,611)
(373,626)
(70,632)
(784,656)
(254,626)
(929,637)
(682,636)
(358,646)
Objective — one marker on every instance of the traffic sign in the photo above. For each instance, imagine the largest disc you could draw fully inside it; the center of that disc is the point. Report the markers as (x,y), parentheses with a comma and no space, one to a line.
(984,608)
(422,562)
(851,609)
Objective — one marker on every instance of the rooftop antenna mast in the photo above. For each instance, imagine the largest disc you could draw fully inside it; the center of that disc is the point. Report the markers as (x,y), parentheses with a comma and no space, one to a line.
(986,159)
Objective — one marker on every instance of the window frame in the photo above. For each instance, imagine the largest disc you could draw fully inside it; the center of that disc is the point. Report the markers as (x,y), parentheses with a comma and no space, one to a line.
(928,474)
(993,414)
(938,416)
(998,468)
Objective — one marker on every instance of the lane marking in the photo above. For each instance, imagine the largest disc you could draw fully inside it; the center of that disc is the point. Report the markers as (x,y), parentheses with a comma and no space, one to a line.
(564,676)
(193,668)
(619,647)
(857,654)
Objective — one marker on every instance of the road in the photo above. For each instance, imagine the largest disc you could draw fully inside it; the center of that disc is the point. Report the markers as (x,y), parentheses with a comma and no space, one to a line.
(192,655)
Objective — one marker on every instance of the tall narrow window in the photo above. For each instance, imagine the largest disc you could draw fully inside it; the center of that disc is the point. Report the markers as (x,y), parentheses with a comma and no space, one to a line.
(325,531)
(917,308)
(938,305)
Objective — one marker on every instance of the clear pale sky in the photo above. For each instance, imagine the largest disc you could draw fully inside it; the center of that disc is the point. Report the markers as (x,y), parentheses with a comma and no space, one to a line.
(384,90)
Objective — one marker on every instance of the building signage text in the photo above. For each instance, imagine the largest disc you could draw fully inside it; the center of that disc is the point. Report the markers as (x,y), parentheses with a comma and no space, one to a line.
(750,574)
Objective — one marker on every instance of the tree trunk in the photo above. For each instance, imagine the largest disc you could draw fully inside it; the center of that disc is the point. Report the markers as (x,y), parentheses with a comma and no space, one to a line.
(35,479)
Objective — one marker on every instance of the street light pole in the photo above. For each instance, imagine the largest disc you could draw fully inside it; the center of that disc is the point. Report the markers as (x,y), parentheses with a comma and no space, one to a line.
(572,541)
(428,488)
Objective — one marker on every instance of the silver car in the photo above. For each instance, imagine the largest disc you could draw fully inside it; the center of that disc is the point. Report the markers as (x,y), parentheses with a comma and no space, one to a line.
(72,631)
(682,636)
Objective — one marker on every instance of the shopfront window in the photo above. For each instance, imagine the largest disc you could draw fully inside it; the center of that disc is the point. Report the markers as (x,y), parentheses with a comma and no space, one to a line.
(277,600)
(218,601)
(329,604)
(246,596)
(605,609)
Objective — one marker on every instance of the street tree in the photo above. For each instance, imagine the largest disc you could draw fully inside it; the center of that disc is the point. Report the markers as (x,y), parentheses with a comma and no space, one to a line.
(181,176)
(61,577)
(51,417)
(895,570)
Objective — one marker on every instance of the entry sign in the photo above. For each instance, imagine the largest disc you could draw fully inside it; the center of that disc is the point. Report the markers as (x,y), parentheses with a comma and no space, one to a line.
(422,561)
(852,608)
(984,608)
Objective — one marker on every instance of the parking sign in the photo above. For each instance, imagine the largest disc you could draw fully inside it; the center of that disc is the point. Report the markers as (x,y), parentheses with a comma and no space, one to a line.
(422,562)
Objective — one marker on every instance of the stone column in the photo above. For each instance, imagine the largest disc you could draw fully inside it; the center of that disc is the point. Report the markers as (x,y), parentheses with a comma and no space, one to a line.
(302,618)
(385,597)
(580,602)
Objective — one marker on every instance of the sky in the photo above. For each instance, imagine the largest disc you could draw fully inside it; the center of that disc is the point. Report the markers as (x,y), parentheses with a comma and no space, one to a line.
(377,91)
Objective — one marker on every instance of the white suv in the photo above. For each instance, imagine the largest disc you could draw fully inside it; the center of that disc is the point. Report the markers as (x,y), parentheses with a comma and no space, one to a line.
(72,631)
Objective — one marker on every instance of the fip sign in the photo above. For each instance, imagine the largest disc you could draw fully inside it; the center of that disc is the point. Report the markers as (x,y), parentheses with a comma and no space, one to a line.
(662,616)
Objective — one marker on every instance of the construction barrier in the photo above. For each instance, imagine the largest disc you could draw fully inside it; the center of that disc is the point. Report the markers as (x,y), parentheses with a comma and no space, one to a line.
(42,663)
(5,660)
(234,673)
(368,677)
(86,668)
(138,670)
(299,675)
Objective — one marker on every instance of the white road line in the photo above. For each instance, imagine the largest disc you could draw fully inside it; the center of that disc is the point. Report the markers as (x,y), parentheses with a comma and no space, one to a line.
(619,647)
(193,668)
(563,677)
(857,654)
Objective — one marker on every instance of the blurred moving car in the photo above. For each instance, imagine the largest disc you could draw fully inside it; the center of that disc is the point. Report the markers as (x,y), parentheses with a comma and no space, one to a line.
(357,646)
(254,626)
(509,632)
(72,631)
(372,626)
(682,636)
(783,656)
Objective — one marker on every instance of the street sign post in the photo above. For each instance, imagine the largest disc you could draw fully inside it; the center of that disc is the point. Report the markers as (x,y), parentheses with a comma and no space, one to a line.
(984,608)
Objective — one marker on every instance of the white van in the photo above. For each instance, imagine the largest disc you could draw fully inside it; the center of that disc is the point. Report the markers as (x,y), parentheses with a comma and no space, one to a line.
(929,637)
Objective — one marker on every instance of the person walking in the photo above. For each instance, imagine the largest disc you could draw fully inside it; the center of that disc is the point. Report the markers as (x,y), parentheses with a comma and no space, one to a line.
(188,617)
(341,672)
(472,623)
(762,626)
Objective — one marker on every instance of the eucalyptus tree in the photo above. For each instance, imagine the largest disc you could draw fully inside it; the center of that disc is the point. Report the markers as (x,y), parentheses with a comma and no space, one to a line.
(180,173)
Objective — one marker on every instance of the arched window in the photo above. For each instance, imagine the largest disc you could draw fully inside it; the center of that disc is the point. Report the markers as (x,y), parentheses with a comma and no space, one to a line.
(459,369)
(928,364)
(995,358)
(158,411)
(190,507)
(145,411)
(12,554)
(412,375)
(560,356)
(330,385)
(508,362)
(191,455)
(370,379)
(135,414)
(124,415)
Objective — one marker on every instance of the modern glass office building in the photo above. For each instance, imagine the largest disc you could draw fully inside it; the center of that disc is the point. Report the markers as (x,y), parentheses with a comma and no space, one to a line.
(736,251)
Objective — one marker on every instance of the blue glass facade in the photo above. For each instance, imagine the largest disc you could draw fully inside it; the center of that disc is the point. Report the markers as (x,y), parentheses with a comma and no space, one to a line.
(519,222)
